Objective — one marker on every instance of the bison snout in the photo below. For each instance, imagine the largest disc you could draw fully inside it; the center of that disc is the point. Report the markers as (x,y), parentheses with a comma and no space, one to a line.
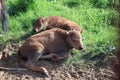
(80,48)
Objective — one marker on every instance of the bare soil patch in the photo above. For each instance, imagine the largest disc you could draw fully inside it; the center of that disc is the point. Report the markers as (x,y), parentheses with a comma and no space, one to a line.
(57,70)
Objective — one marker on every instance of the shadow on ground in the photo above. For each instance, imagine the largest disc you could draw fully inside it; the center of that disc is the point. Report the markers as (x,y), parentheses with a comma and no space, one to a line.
(12,61)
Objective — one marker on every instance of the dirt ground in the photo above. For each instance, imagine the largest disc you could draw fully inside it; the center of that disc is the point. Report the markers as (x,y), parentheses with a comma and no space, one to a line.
(57,70)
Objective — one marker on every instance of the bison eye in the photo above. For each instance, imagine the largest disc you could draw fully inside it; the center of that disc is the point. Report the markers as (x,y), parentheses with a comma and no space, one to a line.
(74,40)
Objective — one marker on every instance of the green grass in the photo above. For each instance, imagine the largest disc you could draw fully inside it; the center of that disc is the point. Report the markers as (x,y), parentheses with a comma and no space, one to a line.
(94,17)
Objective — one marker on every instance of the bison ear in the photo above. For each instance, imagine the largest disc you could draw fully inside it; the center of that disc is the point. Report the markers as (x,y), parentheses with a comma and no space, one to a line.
(43,20)
(81,31)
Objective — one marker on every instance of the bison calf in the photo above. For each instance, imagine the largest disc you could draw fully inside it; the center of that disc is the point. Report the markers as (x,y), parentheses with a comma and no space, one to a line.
(49,44)
(50,22)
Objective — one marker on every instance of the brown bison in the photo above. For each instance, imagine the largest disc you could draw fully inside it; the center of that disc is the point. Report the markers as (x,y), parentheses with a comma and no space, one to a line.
(50,22)
(49,44)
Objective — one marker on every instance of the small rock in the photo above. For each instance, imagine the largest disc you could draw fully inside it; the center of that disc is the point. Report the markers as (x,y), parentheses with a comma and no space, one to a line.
(74,74)
(67,75)
(62,76)
(18,78)
(1,73)
(47,78)
(5,54)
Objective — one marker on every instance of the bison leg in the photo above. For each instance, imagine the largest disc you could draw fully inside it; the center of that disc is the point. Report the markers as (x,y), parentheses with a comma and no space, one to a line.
(58,57)
(54,56)
(47,56)
(31,64)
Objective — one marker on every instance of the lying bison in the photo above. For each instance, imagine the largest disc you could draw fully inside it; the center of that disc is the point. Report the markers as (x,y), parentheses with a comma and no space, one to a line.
(50,22)
(49,44)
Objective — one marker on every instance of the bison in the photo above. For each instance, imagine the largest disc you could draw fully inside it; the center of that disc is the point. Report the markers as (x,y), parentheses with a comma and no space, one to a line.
(50,22)
(49,44)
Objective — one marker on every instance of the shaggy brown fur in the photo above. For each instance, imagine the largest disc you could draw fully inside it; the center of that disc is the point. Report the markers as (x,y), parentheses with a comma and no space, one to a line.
(49,44)
(44,23)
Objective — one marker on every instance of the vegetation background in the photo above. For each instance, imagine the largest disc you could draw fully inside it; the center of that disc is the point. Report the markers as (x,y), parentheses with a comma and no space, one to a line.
(96,17)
